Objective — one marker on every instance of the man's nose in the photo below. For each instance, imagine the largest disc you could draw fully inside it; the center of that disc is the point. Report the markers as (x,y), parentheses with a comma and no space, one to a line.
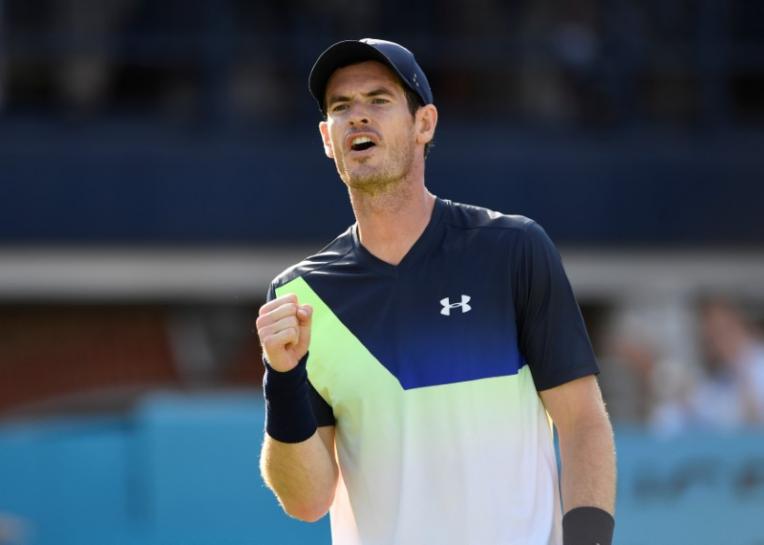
(358,115)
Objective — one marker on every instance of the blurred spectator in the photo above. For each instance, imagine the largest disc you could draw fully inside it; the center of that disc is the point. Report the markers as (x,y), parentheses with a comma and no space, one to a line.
(3,46)
(343,17)
(164,50)
(540,89)
(207,341)
(730,393)
(261,81)
(12,529)
(583,63)
(646,360)
(84,73)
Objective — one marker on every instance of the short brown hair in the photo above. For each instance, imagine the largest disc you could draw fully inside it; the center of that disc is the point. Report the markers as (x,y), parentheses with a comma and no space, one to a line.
(414,103)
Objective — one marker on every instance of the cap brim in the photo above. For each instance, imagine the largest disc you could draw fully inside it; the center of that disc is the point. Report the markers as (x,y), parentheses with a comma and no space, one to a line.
(339,55)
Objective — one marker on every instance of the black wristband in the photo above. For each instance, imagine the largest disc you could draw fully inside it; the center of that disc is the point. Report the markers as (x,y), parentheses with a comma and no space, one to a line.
(587,526)
(289,415)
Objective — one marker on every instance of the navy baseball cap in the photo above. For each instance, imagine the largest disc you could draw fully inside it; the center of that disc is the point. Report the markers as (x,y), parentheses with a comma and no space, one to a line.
(399,59)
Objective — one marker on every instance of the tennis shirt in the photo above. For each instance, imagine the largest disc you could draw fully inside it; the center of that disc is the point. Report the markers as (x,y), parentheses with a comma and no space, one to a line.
(430,371)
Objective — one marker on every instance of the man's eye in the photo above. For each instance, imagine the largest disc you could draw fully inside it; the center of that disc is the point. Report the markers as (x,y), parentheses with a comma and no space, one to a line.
(339,107)
(379,101)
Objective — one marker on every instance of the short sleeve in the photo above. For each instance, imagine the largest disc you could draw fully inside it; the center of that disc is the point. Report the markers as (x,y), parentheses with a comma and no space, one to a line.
(551,331)
(321,409)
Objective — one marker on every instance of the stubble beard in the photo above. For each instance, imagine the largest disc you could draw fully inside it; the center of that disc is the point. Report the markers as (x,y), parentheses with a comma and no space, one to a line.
(384,179)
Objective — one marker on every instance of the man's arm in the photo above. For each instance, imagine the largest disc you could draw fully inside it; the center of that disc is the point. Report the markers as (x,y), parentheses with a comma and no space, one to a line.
(297,461)
(302,475)
(587,449)
(587,452)
(552,337)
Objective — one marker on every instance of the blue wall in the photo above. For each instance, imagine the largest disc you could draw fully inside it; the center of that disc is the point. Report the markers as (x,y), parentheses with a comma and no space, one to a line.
(128,184)
(176,471)
(181,470)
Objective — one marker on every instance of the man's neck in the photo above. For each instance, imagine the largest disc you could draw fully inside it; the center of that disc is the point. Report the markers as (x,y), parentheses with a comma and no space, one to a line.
(390,223)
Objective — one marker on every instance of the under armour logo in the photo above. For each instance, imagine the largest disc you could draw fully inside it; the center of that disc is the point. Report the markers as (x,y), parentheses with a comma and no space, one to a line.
(448,305)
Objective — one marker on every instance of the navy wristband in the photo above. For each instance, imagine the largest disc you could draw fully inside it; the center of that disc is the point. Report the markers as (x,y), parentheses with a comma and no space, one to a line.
(289,415)
(587,526)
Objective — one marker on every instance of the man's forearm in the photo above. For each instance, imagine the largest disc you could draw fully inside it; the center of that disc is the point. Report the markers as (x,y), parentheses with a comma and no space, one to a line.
(302,475)
(588,467)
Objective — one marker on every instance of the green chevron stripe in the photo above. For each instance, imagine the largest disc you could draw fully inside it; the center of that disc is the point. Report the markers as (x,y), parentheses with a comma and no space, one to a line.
(337,358)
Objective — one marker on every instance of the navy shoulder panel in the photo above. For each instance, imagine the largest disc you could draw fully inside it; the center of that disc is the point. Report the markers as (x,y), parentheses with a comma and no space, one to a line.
(468,216)
(335,251)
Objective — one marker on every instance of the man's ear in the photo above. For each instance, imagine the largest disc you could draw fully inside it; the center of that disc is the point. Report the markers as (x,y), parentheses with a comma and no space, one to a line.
(323,128)
(426,121)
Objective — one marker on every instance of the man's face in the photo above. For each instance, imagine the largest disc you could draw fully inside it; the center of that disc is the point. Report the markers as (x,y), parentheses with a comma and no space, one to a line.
(369,130)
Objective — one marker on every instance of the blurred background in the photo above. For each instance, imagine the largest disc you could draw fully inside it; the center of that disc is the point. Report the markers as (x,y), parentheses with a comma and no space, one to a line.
(160,164)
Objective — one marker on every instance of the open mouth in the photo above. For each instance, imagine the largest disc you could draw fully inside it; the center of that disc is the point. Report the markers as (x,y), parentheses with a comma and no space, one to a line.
(361,143)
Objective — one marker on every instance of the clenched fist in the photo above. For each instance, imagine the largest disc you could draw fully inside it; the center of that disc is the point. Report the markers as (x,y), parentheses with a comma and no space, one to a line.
(284,329)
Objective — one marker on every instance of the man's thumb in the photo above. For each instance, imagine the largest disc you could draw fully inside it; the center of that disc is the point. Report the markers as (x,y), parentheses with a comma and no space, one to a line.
(304,319)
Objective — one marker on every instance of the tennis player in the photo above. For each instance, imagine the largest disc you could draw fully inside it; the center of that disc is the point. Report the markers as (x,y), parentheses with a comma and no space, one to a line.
(416,366)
